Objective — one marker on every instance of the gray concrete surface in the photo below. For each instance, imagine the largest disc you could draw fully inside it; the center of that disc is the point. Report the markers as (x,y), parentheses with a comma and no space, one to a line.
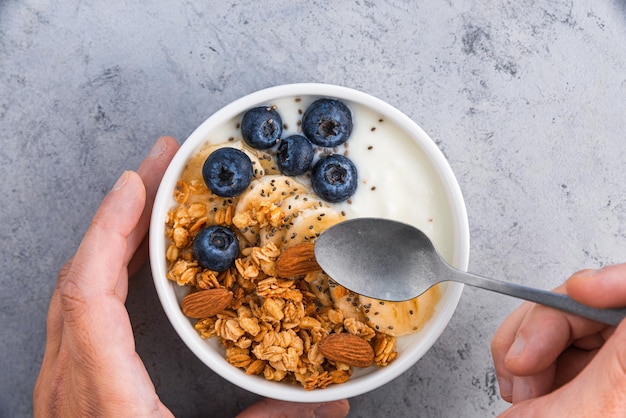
(526,99)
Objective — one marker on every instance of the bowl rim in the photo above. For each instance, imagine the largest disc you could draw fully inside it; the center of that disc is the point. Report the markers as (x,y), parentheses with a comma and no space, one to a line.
(257,384)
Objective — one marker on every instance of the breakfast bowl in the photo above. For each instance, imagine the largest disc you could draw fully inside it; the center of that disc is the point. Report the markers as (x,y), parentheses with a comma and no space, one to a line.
(399,174)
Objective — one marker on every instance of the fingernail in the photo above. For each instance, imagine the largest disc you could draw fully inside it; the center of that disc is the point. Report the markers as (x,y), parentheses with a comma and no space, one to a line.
(586,274)
(517,348)
(521,389)
(158,148)
(506,388)
(330,410)
(121,181)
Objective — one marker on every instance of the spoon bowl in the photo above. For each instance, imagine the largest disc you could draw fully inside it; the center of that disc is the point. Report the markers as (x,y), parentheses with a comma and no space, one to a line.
(393,261)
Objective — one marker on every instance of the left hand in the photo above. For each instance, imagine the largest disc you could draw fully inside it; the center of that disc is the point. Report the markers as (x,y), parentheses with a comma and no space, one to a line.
(90,366)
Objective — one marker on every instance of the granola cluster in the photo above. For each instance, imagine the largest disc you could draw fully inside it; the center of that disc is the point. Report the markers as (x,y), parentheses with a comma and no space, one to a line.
(273,325)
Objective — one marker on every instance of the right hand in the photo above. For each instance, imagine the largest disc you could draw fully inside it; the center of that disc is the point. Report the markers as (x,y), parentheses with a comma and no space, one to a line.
(550,363)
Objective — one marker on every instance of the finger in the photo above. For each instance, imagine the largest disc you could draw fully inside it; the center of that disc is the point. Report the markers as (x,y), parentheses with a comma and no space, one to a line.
(99,260)
(543,335)
(604,288)
(527,345)
(500,345)
(151,171)
(139,259)
(527,387)
(272,408)
(597,391)
(570,363)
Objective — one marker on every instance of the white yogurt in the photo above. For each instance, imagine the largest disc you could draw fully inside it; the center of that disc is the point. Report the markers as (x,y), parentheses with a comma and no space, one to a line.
(396,179)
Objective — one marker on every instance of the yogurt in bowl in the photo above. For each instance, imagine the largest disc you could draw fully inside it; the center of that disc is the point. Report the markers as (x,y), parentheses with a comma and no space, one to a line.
(402,175)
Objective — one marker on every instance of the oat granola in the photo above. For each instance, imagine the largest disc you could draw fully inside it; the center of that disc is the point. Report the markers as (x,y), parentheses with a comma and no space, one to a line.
(273,325)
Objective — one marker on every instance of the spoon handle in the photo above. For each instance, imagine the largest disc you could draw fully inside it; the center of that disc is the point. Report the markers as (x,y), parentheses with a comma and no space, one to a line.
(609,316)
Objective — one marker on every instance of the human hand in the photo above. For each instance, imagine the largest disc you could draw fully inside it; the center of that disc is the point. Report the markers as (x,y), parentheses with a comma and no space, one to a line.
(90,366)
(272,408)
(550,363)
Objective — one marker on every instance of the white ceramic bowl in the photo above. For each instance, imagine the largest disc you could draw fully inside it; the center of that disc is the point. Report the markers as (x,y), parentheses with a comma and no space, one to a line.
(452,240)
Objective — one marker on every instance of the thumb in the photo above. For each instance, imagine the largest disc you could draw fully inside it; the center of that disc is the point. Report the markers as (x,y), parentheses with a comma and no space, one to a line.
(103,253)
(598,391)
(98,269)
(603,288)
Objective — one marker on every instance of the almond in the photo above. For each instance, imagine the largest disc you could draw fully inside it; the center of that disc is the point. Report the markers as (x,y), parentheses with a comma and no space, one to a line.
(206,303)
(297,260)
(347,348)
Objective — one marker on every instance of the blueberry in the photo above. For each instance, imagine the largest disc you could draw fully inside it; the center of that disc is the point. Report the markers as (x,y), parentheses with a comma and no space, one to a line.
(334,178)
(327,122)
(227,172)
(261,127)
(295,155)
(216,247)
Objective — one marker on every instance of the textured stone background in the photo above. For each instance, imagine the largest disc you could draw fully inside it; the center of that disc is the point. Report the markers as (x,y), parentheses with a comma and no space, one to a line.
(526,99)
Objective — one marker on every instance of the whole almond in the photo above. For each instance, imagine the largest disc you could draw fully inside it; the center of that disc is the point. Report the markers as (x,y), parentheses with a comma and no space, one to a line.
(297,260)
(206,303)
(347,348)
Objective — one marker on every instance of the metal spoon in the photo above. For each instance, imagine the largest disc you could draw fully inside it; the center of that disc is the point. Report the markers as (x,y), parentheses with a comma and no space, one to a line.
(393,261)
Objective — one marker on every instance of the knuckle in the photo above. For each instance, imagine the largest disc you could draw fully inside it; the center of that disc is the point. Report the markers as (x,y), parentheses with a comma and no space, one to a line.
(64,272)
(73,303)
(499,344)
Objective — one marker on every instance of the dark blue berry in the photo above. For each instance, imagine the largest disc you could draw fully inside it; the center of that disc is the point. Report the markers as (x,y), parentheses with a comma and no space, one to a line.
(295,155)
(261,127)
(227,172)
(334,178)
(216,247)
(327,122)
